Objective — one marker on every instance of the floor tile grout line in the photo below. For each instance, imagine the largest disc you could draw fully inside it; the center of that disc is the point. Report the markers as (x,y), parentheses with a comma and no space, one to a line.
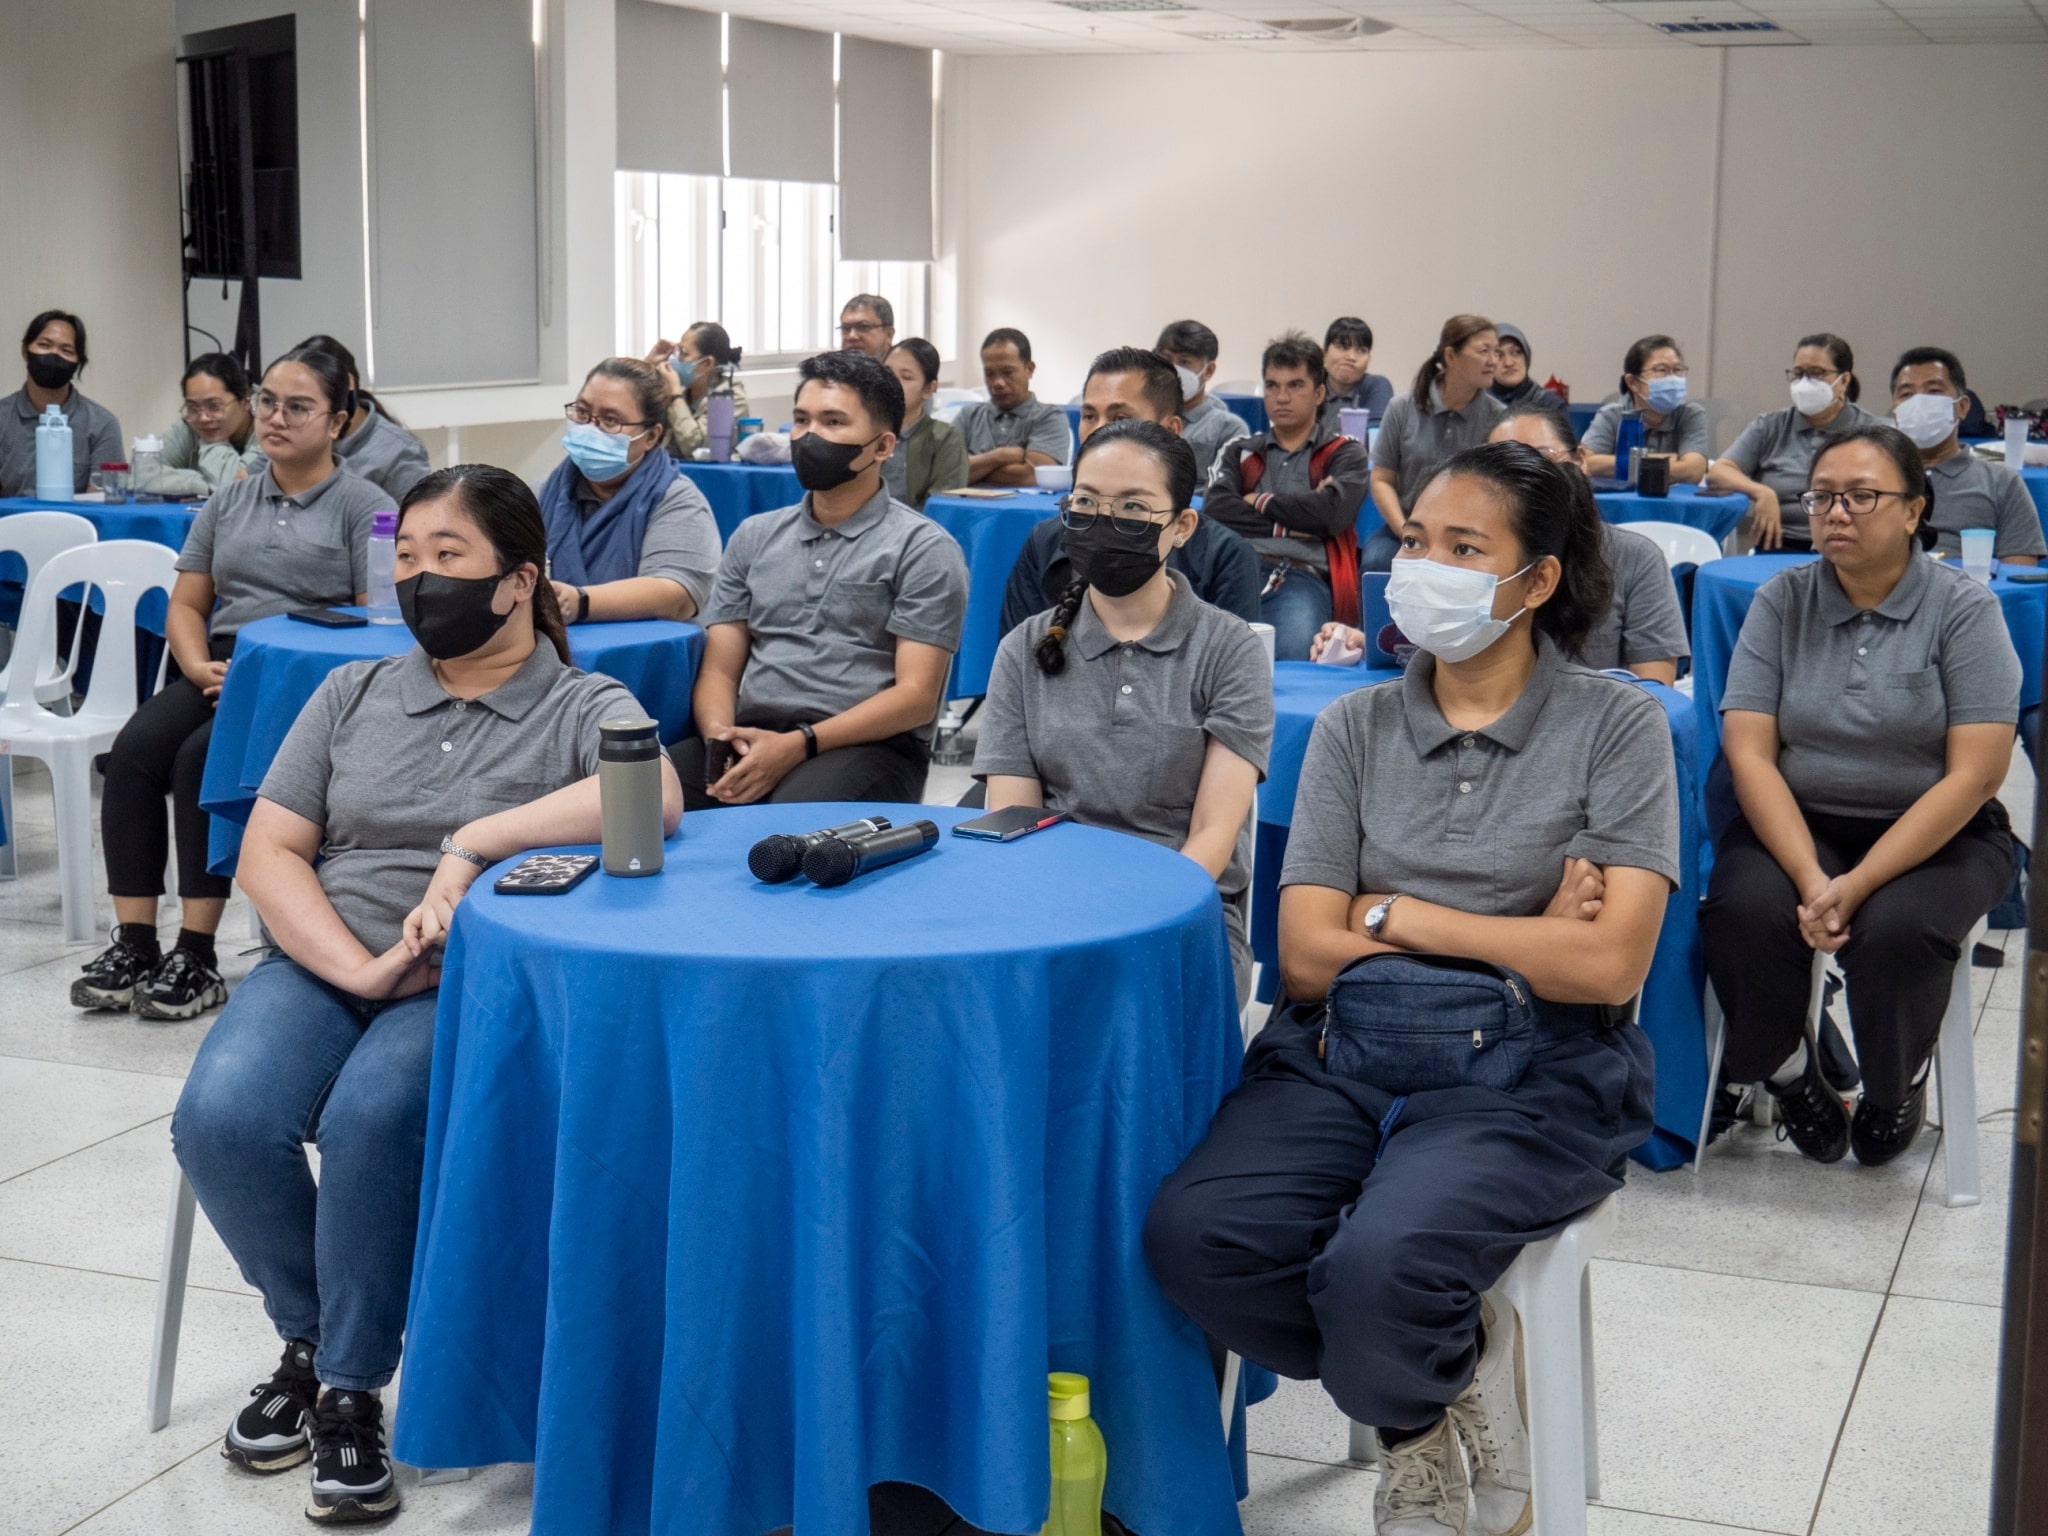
(95,1066)
(1842,1429)
(1730,1274)
(116,1274)
(51,1163)
(156,1477)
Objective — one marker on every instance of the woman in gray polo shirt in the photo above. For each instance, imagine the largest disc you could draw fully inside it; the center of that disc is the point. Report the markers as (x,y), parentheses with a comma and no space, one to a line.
(53,352)
(1133,704)
(1868,723)
(1449,408)
(400,781)
(1653,388)
(1772,459)
(294,535)
(1495,804)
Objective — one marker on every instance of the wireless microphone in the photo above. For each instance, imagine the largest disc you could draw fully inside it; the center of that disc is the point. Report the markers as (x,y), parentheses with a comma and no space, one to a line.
(835,860)
(781,857)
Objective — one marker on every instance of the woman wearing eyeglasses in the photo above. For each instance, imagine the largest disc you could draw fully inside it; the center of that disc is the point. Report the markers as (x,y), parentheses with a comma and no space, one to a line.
(629,537)
(295,535)
(1868,722)
(1772,460)
(1133,704)
(213,440)
(1653,387)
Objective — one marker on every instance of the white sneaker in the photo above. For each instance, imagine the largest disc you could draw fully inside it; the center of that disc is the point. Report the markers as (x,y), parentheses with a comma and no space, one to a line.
(1423,1490)
(1488,1417)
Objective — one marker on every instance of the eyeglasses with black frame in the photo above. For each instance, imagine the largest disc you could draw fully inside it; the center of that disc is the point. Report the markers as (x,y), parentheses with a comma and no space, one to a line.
(1126,515)
(1825,375)
(1860,502)
(296,413)
(604,421)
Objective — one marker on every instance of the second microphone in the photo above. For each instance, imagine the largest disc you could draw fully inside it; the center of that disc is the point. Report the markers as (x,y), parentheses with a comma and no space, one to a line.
(836,860)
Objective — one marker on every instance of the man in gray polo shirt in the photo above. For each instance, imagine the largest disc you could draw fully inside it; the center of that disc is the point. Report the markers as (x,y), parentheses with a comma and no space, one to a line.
(1929,399)
(1013,432)
(1206,424)
(832,624)
(54,351)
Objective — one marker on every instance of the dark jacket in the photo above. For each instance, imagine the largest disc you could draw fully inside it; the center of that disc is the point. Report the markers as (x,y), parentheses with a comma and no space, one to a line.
(1329,511)
(1219,566)
(1528,392)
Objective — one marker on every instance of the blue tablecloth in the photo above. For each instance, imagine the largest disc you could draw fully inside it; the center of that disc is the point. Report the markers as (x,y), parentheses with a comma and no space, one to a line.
(741,1198)
(280,661)
(1252,408)
(1671,1008)
(1686,504)
(737,491)
(992,532)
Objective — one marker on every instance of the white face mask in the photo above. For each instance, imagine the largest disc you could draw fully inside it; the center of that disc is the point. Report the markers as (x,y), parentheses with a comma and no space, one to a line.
(1927,419)
(1447,610)
(1190,383)
(1812,396)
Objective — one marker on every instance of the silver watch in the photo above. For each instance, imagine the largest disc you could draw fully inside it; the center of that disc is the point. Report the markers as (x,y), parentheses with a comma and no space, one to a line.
(449,845)
(1376,916)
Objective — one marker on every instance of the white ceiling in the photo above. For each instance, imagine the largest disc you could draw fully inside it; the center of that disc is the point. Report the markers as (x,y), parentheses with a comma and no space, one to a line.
(1140,26)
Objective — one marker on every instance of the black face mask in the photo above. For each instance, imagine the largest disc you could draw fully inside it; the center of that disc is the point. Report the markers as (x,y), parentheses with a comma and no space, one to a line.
(821,464)
(46,370)
(450,616)
(1113,563)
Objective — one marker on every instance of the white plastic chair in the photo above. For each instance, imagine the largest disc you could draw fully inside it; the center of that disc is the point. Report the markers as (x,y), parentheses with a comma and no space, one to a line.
(37,537)
(1680,544)
(1955,1073)
(122,570)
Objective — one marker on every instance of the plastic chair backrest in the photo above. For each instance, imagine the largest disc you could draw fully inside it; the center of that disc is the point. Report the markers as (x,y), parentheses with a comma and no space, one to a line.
(123,570)
(1681,545)
(37,537)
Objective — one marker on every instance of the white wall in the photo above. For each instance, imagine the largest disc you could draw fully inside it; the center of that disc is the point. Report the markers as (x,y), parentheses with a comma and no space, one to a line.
(89,184)
(1572,193)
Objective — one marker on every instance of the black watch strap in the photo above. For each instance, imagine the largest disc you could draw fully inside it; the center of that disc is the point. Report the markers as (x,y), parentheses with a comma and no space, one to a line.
(810,742)
(582,605)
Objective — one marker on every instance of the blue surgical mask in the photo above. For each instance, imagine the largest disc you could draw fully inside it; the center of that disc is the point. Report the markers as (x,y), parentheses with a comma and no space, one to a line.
(599,454)
(685,367)
(1666,394)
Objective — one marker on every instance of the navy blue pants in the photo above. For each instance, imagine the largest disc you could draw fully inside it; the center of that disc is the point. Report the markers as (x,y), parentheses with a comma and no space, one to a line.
(1293,1236)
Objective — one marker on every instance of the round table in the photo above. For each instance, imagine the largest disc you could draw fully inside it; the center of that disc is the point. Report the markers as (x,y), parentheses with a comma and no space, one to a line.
(280,661)
(1671,1009)
(991,531)
(737,491)
(1687,504)
(741,1198)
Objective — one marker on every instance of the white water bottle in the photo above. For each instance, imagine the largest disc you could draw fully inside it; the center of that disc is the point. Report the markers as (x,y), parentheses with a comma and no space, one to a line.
(383,589)
(2015,442)
(53,456)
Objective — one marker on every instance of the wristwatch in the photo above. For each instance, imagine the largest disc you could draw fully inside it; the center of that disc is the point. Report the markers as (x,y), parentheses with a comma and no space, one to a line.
(582,605)
(810,742)
(449,845)
(1376,918)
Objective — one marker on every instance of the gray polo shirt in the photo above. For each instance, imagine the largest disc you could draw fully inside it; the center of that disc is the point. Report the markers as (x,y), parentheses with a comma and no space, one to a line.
(1414,444)
(1206,428)
(1778,450)
(195,469)
(1037,426)
(680,540)
(270,553)
(386,764)
(824,607)
(1685,430)
(1395,798)
(1970,492)
(1644,621)
(95,440)
(1864,698)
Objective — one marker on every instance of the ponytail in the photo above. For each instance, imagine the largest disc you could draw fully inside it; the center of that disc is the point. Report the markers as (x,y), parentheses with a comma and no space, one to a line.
(1051,654)
(1457,330)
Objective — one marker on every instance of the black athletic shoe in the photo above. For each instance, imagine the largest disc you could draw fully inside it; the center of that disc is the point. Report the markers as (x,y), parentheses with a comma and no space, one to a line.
(1879,1134)
(182,986)
(352,1482)
(273,1432)
(112,975)
(1811,1116)
(1837,1063)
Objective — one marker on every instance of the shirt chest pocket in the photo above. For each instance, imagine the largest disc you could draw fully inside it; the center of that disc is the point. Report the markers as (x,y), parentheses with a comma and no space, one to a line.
(1914,704)
(315,560)
(1528,860)
(488,794)
(857,608)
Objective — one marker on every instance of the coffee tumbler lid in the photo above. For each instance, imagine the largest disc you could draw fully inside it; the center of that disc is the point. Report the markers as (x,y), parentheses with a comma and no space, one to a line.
(628,730)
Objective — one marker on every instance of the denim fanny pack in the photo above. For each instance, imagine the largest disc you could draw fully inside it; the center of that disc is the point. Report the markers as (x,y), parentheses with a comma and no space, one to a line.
(1411,1023)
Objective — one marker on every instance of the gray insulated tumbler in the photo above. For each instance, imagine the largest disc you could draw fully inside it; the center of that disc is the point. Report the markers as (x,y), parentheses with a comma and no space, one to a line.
(629,788)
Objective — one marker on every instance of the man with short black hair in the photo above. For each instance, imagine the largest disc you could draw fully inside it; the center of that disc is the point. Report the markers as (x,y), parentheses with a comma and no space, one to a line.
(1347,364)
(1294,490)
(1013,431)
(867,323)
(1126,383)
(1930,397)
(832,625)
(1206,424)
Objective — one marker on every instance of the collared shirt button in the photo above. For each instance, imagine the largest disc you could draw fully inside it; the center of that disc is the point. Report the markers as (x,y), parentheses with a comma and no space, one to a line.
(1465,787)
(1471,741)
(1862,650)
(818,564)
(1126,688)
(447,746)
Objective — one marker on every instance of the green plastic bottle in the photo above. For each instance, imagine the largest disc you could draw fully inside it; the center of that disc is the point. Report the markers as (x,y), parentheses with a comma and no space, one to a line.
(1080,1461)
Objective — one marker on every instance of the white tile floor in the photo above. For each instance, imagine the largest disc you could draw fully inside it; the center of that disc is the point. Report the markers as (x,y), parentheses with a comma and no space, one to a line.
(1782,1347)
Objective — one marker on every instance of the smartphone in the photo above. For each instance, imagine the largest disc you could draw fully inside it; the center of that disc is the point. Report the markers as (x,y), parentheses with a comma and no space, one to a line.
(546,874)
(329,618)
(1006,826)
(2026,573)
(718,756)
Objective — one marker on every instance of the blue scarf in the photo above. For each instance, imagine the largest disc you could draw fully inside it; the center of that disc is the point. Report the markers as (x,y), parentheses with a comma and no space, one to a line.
(606,545)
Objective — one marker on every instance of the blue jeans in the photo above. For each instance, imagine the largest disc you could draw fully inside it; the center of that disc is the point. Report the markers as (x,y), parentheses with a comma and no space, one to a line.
(1297,608)
(291,1060)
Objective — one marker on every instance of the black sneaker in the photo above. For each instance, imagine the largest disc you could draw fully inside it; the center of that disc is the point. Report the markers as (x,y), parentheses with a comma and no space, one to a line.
(1880,1134)
(272,1432)
(112,975)
(1811,1116)
(352,1482)
(182,986)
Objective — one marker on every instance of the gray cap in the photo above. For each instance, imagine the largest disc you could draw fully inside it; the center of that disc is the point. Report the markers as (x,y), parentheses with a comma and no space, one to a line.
(1514,333)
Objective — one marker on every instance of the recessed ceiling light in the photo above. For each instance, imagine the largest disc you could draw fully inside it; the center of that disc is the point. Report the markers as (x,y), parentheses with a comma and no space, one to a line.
(1235,37)
(1333,28)
(1151,6)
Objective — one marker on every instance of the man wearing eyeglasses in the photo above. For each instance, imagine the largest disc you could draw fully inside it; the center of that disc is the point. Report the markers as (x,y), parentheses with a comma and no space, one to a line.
(868,324)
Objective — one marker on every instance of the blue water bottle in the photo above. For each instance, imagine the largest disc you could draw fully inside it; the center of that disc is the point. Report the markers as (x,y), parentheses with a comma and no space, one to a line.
(1628,437)
(53,456)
